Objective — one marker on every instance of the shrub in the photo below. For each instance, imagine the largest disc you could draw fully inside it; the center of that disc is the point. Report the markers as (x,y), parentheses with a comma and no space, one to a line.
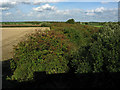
(83,67)
(45,24)
(101,55)
(45,51)
(109,43)
(80,37)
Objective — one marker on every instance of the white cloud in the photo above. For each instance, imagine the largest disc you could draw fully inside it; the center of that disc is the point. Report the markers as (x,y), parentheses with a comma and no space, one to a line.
(103,2)
(91,14)
(13,3)
(8,13)
(4,8)
(98,14)
(90,11)
(101,9)
(114,0)
(77,0)
(36,3)
(51,12)
(7,5)
(95,11)
(44,8)
(50,0)
(65,12)
(30,14)
(25,2)
(63,0)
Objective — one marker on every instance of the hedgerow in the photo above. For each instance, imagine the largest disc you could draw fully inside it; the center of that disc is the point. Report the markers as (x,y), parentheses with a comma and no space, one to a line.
(45,51)
(101,55)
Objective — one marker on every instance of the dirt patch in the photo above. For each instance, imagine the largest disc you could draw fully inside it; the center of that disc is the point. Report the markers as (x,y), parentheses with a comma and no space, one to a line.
(11,36)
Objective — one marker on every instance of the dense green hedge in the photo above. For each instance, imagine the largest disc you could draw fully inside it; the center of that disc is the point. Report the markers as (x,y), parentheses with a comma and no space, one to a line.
(101,55)
(45,51)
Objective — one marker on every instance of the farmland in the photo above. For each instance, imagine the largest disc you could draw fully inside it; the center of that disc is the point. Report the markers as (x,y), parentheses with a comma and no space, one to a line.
(11,36)
(22,24)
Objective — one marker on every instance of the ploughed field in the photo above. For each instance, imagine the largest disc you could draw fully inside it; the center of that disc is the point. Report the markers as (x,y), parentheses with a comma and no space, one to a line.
(11,36)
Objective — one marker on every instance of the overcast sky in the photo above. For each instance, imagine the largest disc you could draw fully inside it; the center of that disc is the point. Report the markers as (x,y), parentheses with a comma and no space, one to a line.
(58,11)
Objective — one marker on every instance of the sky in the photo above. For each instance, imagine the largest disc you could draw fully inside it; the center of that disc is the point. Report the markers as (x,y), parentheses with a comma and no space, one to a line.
(56,10)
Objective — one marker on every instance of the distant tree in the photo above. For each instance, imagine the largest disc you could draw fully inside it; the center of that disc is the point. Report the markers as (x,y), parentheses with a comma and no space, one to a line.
(71,21)
(86,23)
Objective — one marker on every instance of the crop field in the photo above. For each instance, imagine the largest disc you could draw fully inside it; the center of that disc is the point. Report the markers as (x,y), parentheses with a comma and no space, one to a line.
(11,36)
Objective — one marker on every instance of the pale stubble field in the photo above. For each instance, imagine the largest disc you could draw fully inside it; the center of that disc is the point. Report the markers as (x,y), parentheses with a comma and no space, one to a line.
(11,36)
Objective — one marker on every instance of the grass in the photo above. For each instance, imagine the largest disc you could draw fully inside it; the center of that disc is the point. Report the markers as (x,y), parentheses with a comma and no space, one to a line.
(93,25)
(98,26)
